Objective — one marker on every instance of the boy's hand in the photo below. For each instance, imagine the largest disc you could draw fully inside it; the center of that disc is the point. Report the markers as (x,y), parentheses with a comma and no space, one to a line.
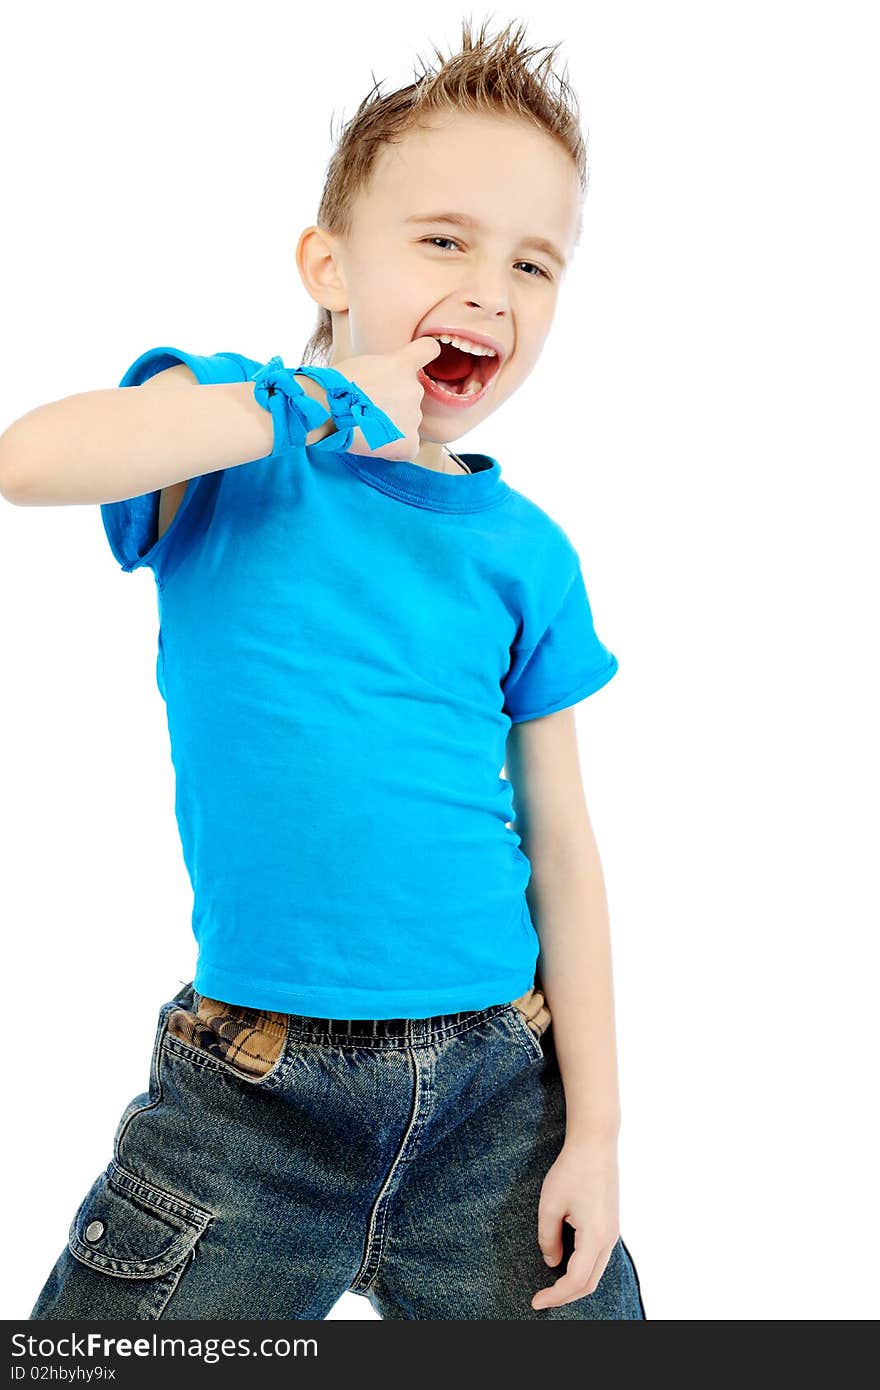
(581,1189)
(390,379)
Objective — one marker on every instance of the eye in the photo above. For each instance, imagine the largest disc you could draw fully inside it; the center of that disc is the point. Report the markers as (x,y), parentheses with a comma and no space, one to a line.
(453,242)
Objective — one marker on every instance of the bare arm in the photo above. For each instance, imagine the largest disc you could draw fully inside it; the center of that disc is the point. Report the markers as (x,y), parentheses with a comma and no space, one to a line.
(567,898)
(567,901)
(105,446)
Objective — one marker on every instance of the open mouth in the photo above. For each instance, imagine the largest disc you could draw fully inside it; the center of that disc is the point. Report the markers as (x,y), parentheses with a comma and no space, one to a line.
(458,376)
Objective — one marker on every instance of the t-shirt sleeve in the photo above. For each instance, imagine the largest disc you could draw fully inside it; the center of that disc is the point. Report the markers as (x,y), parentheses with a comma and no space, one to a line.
(131,526)
(567,663)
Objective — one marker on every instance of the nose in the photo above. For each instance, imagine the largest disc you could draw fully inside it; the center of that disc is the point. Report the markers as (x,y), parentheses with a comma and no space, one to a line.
(488,304)
(488,291)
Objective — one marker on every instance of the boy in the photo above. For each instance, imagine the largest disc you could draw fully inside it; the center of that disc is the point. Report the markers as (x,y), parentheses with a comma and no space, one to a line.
(361,1088)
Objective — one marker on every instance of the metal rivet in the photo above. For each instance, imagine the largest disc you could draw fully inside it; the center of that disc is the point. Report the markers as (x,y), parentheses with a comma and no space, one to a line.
(94,1230)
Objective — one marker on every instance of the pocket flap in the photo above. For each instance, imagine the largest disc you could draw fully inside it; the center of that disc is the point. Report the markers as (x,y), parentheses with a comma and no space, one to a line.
(132,1229)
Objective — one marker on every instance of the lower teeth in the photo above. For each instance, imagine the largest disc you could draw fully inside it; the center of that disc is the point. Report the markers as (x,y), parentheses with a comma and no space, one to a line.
(472,389)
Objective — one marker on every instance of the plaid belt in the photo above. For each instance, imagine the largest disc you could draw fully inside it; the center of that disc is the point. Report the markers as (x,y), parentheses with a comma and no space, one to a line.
(251,1040)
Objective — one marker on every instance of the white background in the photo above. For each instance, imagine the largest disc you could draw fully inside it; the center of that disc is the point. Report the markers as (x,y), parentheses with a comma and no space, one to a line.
(703,422)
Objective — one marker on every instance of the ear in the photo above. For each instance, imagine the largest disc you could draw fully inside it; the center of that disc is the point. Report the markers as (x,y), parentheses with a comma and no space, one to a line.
(319,262)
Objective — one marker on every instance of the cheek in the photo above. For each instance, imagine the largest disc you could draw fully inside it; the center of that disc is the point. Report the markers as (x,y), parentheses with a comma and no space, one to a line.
(420,283)
(379,323)
(530,344)
(390,310)
(524,361)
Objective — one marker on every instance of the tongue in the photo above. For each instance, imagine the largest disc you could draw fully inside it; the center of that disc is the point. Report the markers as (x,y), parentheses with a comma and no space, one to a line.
(451,365)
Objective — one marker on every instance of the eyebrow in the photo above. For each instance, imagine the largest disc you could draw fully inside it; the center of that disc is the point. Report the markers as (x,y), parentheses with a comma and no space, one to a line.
(463,219)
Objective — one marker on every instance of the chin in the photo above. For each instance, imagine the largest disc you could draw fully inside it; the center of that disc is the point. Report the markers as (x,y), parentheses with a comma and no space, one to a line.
(437,439)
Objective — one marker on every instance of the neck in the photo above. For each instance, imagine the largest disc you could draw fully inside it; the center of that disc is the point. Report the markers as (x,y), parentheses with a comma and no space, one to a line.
(439,457)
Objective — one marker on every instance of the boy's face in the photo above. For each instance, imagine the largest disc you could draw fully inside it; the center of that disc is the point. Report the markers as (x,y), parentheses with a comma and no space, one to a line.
(401,277)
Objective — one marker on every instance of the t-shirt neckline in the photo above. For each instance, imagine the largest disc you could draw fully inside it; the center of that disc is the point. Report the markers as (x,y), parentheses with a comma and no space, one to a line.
(425,487)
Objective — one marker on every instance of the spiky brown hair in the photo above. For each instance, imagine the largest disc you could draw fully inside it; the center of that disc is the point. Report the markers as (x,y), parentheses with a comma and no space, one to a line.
(486,75)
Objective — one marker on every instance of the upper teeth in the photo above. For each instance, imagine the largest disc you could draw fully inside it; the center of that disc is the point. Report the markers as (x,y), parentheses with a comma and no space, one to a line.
(466,346)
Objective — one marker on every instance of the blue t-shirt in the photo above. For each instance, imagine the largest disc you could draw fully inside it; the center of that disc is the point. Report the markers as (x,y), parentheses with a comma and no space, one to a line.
(344,642)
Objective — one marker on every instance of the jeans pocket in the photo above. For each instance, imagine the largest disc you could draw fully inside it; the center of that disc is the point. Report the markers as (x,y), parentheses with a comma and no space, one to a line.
(131,1229)
(529,1018)
(150,1098)
(249,1044)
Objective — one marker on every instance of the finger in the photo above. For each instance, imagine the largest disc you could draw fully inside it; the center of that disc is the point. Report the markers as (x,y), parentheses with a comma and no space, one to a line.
(599,1265)
(575,1282)
(550,1233)
(422,350)
(572,1285)
(551,1245)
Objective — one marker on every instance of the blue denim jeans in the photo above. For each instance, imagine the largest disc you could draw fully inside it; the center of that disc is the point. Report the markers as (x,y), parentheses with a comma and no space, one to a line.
(277,1161)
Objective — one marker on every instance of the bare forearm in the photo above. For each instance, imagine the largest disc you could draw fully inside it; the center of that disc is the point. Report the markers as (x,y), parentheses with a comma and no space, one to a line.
(569,907)
(104,446)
